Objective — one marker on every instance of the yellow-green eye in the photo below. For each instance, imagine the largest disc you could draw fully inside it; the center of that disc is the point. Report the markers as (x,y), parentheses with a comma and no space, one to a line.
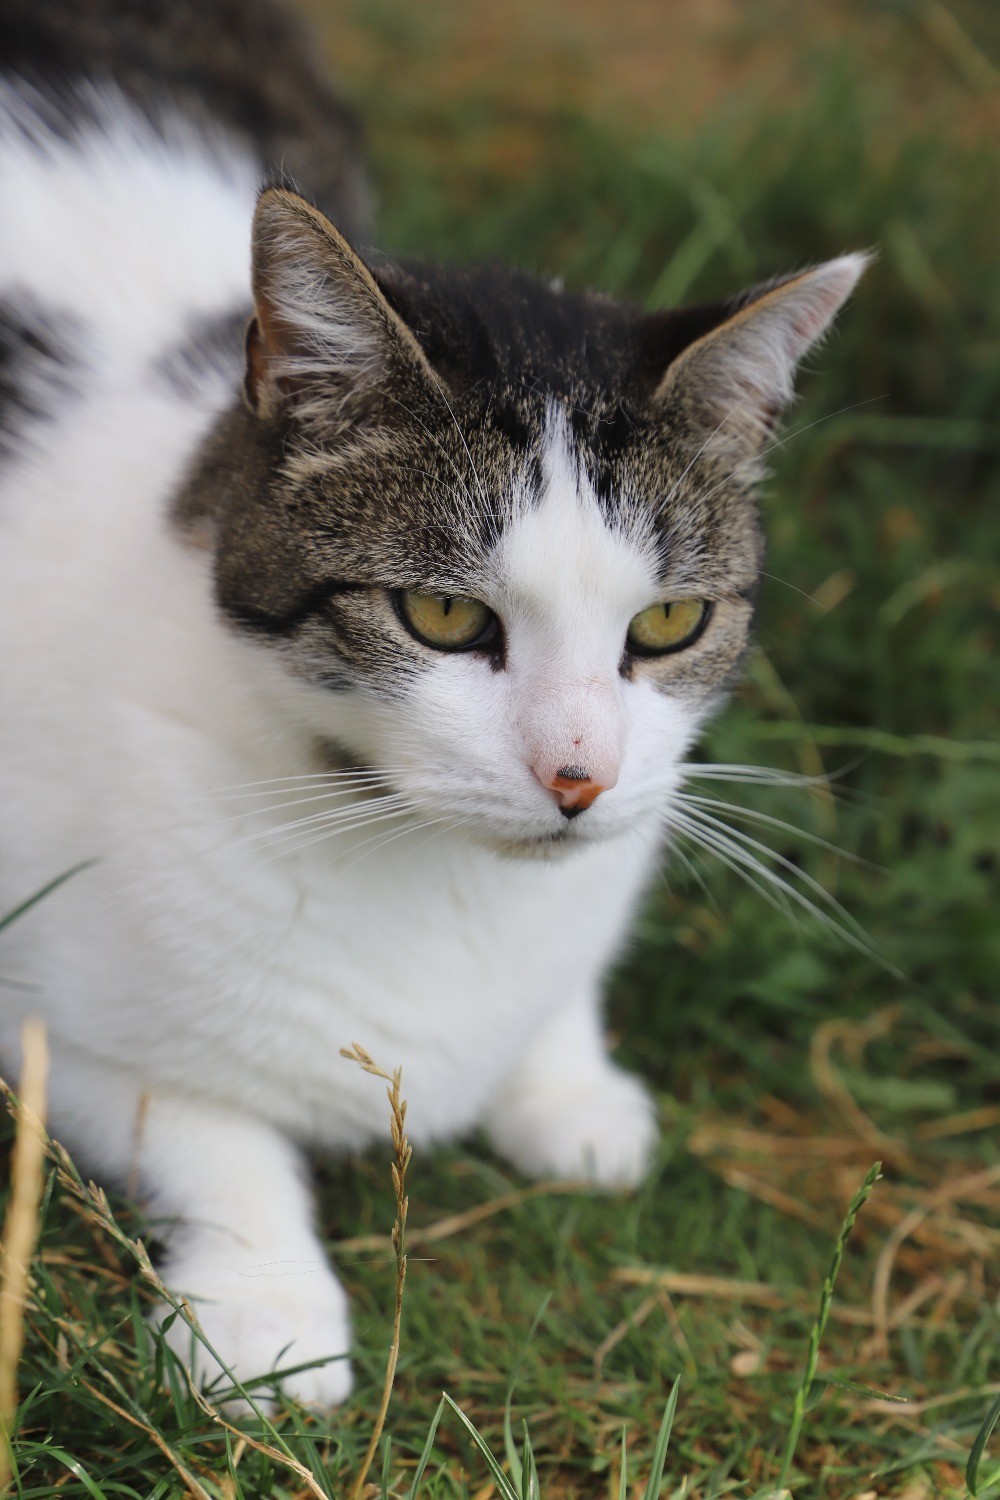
(447,621)
(667,627)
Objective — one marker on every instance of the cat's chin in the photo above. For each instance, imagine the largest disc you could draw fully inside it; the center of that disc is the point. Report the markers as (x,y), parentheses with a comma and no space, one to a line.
(549,846)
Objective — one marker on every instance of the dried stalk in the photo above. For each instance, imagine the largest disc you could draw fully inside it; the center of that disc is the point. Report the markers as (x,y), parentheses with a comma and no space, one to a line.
(27,1178)
(401,1147)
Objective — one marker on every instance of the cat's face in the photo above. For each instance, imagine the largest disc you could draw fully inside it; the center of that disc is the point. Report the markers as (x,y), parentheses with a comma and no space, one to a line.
(495,541)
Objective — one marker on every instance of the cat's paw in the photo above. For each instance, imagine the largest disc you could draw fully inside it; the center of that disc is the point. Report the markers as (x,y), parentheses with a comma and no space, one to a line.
(601,1128)
(259,1318)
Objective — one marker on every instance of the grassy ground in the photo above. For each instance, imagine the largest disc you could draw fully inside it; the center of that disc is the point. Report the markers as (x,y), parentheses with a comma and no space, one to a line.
(664,162)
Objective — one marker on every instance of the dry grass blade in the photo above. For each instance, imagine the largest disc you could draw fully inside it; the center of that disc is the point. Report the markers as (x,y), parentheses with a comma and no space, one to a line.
(730,1289)
(228,1482)
(401,1148)
(246,1440)
(746,1182)
(635,1319)
(965,1187)
(191,1484)
(21,1226)
(453,1224)
(984,1118)
(691,1284)
(855,1036)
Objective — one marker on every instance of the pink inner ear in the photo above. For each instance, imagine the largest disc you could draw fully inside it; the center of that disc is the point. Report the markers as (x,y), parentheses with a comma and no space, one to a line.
(806,328)
(824,293)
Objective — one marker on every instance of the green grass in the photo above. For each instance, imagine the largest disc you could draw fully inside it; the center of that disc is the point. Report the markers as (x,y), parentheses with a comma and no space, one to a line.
(786,1061)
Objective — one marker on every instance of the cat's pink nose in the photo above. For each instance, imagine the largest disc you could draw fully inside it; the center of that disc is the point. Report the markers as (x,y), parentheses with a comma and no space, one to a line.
(574,789)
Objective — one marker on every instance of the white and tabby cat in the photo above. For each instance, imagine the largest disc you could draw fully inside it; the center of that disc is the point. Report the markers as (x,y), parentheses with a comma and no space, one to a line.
(356,620)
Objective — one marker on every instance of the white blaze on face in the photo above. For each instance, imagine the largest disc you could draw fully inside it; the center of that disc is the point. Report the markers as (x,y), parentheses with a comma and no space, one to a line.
(570,584)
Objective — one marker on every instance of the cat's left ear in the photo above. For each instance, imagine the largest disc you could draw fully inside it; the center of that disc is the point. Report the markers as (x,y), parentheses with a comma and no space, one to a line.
(322,331)
(733,381)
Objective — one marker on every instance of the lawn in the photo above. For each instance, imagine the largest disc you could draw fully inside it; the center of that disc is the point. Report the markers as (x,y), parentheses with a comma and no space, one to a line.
(665,154)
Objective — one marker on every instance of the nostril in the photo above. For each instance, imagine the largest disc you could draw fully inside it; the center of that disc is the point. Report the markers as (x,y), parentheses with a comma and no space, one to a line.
(571,773)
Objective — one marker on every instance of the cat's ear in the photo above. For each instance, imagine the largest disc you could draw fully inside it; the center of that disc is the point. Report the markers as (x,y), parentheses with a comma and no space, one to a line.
(734,380)
(322,332)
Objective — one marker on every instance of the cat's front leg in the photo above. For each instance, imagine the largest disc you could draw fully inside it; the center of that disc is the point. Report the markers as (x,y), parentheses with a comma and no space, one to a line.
(567,1110)
(228,1193)
(243,1251)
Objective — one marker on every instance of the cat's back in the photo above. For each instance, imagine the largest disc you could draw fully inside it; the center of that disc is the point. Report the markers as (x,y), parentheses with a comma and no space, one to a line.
(245,69)
(134,135)
(132,144)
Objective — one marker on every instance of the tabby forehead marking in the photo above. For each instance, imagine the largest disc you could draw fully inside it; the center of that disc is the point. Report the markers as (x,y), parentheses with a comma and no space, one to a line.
(570,583)
(571,579)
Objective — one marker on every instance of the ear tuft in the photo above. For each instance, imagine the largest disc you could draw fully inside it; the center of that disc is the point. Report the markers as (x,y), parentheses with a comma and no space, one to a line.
(322,331)
(740,375)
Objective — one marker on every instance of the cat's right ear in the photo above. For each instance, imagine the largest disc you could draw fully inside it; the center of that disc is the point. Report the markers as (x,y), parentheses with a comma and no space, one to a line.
(322,336)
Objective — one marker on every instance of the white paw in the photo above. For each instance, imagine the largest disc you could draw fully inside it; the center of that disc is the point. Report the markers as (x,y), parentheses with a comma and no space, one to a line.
(261,1317)
(601,1128)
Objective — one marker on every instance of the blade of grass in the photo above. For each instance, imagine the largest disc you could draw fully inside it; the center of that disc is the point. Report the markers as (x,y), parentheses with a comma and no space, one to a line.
(510,1447)
(76,1467)
(46,890)
(503,1484)
(425,1452)
(979,1448)
(529,1469)
(819,1327)
(386,1464)
(655,1480)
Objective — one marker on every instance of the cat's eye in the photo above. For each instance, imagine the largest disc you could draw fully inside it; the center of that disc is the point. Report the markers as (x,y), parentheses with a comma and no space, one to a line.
(448,622)
(667,627)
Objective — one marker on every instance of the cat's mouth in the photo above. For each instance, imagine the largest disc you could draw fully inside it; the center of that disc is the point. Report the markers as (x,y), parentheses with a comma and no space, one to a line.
(558,845)
(543,846)
(553,844)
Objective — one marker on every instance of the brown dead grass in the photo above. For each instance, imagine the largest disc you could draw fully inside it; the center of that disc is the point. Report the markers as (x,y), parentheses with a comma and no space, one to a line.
(20,1230)
(648,66)
(935,1217)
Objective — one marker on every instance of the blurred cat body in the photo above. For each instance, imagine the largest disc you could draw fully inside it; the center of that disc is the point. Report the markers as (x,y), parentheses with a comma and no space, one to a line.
(301,820)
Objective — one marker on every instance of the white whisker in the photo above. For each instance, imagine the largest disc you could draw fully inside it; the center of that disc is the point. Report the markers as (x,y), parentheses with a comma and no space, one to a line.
(756,459)
(775,897)
(718,804)
(364,850)
(340,820)
(278,784)
(735,772)
(294,842)
(713,434)
(735,845)
(748,842)
(361,795)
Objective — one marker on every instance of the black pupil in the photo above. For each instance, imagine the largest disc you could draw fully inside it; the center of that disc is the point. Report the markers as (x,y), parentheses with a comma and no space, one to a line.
(446,606)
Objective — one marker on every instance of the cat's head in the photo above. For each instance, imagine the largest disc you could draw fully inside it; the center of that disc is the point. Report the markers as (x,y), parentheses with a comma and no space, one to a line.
(492,539)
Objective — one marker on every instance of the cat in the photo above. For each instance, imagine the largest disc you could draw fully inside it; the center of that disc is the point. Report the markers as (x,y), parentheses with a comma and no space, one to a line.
(357,619)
